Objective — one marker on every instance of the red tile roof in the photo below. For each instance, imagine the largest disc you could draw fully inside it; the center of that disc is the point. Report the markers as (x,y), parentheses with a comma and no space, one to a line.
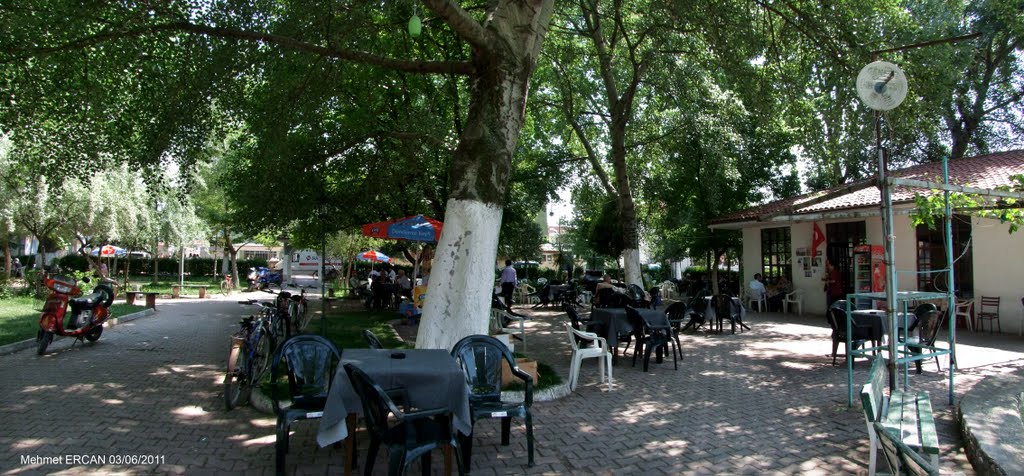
(983,171)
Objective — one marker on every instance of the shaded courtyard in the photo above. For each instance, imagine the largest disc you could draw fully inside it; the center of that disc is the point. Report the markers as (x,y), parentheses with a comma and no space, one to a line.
(764,401)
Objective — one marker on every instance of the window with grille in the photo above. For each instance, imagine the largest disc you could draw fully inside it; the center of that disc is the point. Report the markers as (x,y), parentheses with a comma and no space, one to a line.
(259,254)
(931,256)
(775,253)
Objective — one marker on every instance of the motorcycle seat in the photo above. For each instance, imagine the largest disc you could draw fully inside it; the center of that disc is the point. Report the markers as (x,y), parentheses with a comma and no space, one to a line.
(295,297)
(87,302)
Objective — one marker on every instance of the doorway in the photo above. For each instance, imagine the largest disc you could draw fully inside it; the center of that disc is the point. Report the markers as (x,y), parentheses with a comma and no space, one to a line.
(842,237)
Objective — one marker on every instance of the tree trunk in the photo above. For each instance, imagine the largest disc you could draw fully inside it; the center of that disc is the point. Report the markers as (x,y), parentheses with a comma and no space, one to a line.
(156,261)
(7,255)
(462,276)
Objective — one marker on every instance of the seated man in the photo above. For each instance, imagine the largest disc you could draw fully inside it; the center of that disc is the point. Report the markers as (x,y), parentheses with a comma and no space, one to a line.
(778,292)
(756,288)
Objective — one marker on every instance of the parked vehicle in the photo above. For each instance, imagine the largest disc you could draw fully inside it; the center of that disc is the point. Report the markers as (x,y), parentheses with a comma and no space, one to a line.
(249,358)
(263,278)
(88,313)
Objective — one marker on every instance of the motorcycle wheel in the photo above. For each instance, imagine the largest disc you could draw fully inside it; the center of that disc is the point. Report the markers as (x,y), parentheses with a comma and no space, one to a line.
(43,339)
(94,334)
(236,385)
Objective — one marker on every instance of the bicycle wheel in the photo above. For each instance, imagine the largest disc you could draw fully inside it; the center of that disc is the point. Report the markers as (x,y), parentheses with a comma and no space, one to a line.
(236,382)
(225,288)
(301,312)
(261,357)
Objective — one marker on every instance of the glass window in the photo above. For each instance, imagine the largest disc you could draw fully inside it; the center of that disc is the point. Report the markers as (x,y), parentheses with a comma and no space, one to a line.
(931,255)
(775,253)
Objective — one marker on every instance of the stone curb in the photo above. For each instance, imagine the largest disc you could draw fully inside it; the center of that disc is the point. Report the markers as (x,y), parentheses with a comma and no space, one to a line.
(990,422)
(31,343)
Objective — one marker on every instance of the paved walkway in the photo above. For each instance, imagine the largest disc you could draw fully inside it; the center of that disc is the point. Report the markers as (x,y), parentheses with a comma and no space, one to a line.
(765,401)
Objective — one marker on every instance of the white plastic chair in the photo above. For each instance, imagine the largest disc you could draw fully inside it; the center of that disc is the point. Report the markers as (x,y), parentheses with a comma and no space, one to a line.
(500,317)
(523,294)
(760,298)
(598,348)
(795,297)
(963,309)
(668,290)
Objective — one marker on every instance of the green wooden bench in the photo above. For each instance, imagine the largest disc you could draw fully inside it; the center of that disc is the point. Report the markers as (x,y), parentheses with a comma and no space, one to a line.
(908,415)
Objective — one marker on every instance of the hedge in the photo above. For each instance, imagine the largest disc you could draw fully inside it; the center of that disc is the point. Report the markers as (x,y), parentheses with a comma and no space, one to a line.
(193,266)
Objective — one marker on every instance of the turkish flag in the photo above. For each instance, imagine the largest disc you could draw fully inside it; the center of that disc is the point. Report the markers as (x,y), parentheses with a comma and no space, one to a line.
(817,238)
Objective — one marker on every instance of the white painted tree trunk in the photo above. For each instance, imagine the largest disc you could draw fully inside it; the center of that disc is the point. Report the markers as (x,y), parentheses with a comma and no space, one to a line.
(462,276)
(631,263)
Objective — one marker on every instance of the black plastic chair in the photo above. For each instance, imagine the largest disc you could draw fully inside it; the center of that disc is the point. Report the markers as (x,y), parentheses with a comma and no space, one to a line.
(724,310)
(310,362)
(649,339)
(414,435)
(696,309)
(372,341)
(636,294)
(902,459)
(676,313)
(480,358)
(836,316)
(929,320)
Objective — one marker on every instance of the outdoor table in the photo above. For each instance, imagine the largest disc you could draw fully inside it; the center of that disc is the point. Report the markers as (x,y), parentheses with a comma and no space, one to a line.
(612,322)
(431,377)
(875,318)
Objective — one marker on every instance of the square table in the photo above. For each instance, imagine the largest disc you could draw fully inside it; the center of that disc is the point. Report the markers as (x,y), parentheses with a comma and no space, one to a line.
(431,377)
(610,322)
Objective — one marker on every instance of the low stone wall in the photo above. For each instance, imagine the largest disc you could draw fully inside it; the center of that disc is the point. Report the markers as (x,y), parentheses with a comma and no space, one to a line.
(990,422)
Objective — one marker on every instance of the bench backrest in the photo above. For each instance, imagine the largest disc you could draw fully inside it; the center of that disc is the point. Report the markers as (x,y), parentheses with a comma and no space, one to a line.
(871,394)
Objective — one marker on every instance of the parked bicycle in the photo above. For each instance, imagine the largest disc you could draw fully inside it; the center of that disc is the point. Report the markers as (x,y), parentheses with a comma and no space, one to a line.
(249,360)
(276,314)
(297,309)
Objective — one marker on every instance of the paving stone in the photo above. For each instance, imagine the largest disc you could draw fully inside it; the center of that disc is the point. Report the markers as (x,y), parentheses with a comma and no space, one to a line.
(767,401)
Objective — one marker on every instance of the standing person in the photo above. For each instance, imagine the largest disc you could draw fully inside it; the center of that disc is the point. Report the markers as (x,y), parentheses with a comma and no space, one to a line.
(508,282)
(103,269)
(17,268)
(833,284)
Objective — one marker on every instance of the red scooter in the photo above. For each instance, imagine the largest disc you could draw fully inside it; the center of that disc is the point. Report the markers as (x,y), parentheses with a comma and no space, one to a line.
(88,313)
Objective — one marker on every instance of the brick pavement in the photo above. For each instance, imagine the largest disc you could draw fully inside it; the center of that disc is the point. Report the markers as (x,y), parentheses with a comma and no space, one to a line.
(765,401)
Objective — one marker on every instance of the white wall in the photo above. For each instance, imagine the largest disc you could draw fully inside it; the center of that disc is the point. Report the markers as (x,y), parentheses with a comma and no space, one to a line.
(998,262)
(999,269)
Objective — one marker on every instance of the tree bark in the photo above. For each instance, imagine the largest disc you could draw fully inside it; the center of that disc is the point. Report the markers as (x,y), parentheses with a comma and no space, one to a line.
(7,255)
(462,276)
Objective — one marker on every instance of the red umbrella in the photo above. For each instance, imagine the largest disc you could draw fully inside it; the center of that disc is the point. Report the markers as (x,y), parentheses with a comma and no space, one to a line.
(373,255)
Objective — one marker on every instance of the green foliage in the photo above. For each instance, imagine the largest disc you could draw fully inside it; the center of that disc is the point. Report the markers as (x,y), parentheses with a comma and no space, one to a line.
(931,207)
(606,231)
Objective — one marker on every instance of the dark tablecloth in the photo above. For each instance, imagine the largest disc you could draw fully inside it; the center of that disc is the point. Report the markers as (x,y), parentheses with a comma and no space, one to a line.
(431,377)
(875,319)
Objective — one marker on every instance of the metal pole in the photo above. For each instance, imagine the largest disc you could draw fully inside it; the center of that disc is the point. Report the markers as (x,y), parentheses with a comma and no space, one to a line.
(888,238)
(951,298)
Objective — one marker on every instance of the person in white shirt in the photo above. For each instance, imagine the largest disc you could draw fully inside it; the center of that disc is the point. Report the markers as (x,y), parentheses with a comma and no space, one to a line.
(509,279)
(756,286)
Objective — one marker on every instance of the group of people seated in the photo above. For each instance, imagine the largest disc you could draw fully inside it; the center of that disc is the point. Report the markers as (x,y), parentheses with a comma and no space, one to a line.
(774,292)
(387,287)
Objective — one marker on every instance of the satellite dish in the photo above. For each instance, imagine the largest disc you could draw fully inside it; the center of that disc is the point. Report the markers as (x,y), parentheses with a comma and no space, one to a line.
(881,85)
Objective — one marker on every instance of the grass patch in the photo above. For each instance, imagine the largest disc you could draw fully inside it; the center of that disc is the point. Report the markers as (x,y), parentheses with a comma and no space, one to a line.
(19,317)
(345,328)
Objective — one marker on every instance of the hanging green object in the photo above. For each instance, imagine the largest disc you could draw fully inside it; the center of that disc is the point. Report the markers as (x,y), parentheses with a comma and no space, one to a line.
(415,26)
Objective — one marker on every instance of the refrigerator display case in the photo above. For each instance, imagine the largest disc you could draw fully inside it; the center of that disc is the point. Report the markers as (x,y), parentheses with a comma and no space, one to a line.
(868,273)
